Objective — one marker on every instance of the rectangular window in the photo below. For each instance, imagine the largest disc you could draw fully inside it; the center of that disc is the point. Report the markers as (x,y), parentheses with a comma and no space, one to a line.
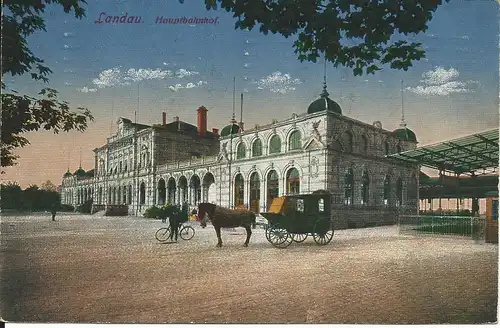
(300,205)
(321,205)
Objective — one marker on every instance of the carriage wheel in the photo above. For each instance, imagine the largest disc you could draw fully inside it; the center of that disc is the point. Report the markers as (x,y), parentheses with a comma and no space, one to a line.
(162,234)
(268,228)
(299,237)
(278,236)
(322,232)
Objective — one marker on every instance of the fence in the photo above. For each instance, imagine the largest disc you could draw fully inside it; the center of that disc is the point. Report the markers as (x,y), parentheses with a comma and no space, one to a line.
(472,227)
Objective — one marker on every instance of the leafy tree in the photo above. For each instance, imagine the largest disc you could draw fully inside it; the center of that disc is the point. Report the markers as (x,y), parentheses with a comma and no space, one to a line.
(359,34)
(23,113)
(48,185)
(11,194)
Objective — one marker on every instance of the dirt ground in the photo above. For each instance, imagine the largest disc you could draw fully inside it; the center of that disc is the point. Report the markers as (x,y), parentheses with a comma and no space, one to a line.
(94,269)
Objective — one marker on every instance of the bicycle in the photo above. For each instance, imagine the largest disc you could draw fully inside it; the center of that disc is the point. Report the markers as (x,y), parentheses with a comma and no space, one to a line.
(186,232)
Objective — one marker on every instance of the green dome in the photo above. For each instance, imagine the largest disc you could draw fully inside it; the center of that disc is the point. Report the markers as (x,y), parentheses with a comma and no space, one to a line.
(405,134)
(79,172)
(324,103)
(67,174)
(230,129)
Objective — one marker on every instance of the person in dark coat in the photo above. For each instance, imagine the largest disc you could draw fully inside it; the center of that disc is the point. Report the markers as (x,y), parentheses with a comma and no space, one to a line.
(54,211)
(174,223)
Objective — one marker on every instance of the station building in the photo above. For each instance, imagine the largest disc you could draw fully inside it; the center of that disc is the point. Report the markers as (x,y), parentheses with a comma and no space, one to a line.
(319,149)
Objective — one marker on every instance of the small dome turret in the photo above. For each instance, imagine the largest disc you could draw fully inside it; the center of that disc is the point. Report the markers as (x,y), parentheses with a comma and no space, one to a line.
(324,103)
(232,128)
(404,133)
(80,172)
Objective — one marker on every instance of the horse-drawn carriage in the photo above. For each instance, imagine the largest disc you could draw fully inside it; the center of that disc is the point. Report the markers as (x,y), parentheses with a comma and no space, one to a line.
(295,217)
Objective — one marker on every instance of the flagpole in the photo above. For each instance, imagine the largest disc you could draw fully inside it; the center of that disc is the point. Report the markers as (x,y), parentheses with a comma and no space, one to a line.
(231,145)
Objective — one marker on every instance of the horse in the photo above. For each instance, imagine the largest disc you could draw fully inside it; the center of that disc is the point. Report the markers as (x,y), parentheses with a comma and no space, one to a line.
(226,218)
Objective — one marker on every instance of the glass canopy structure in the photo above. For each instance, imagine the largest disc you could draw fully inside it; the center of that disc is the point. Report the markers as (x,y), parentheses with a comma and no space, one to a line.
(474,154)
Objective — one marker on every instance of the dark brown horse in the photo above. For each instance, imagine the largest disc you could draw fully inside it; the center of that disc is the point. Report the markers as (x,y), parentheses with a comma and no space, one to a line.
(225,218)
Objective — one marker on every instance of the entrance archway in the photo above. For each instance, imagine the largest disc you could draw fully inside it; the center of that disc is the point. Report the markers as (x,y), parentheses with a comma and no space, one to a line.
(209,193)
(195,187)
(183,189)
(255,193)
(292,181)
(171,186)
(272,187)
(239,191)
(162,192)
(142,195)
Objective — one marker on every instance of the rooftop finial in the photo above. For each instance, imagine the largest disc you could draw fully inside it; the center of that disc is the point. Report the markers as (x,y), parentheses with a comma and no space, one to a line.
(324,93)
(80,157)
(403,123)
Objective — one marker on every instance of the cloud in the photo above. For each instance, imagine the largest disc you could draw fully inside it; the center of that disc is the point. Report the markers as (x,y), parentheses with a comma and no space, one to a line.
(87,90)
(246,53)
(277,82)
(140,74)
(441,82)
(176,87)
(183,73)
(68,34)
(108,78)
(115,77)
(190,85)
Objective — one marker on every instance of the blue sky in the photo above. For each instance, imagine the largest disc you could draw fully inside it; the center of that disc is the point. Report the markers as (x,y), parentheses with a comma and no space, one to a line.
(177,68)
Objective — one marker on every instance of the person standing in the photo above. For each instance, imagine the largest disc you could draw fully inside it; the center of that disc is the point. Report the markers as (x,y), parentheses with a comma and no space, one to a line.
(174,223)
(53,211)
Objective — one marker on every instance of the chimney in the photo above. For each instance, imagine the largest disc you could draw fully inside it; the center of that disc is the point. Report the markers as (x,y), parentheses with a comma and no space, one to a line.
(215,131)
(163,118)
(202,120)
(176,118)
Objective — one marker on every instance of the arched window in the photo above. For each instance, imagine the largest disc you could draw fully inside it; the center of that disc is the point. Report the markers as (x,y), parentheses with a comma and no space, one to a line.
(125,166)
(241,151)
(142,192)
(293,181)
(347,142)
(365,188)
(364,145)
(294,141)
(387,190)
(239,191)
(349,187)
(399,192)
(121,166)
(275,144)
(257,148)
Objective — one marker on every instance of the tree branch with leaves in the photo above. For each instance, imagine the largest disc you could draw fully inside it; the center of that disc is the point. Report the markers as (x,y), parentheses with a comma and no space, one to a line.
(23,113)
(359,34)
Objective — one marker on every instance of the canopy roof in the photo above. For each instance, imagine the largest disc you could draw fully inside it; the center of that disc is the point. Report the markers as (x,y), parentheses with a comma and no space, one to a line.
(472,154)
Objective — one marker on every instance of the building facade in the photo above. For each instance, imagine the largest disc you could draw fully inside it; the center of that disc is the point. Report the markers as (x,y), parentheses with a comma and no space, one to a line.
(320,149)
